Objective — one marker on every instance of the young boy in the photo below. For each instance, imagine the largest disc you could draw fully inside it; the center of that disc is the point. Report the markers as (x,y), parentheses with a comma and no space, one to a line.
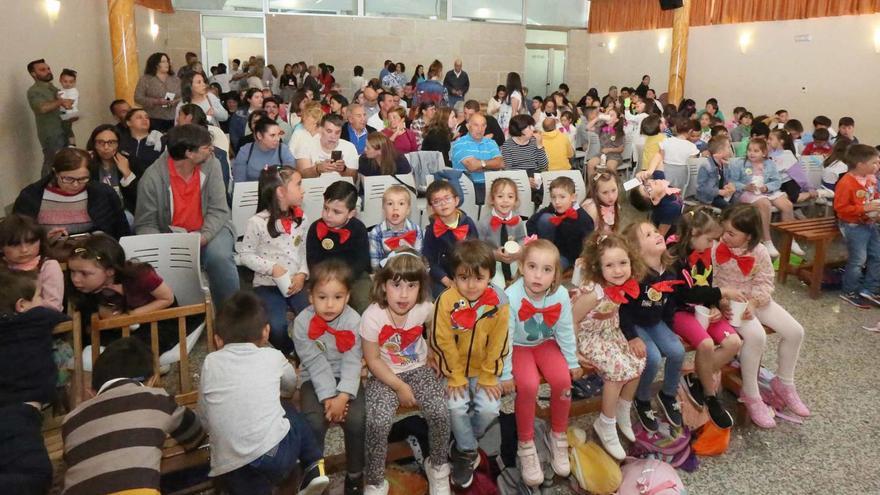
(339,235)
(67,79)
(469,341)
(820,122)
(744,129)
(256,439)
(113,441)
(820,144)
(557,145)
(397,230)
(448,226)
(857,202)
(676,150)
(328,344)
(27,381)
(712,188)
(655,195)
(846,127)
(563,222)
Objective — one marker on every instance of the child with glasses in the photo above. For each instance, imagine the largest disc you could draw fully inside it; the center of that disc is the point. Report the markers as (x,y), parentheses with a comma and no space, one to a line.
(448,226)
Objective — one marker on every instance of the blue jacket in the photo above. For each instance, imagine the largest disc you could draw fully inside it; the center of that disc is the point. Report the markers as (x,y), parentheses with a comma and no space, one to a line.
(739,172)
(709,181)
(437,250)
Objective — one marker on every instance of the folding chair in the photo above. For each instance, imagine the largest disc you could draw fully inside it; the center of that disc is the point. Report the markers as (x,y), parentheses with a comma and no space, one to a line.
(375,187)
(580,188)
(523,188)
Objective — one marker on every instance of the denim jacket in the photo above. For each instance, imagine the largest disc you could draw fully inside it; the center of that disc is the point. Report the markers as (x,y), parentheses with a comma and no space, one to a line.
(708,180)
(739,172)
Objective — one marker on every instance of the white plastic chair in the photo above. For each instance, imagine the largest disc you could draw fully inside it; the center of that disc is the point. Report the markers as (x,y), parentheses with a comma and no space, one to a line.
(693,164)
(374,188)
(523,188)
(580,188)
(245,196)
(313,194)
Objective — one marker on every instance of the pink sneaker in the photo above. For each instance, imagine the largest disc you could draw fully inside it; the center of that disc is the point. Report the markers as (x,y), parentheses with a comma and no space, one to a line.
(530,464)
(790,396)
(760,413)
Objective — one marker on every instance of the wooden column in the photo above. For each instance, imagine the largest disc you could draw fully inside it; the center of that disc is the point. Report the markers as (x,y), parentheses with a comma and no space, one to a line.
(678,54)
(123,41)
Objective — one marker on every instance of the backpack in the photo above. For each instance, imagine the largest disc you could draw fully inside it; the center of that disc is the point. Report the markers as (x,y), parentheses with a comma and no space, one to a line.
(663,446)
(711,440)
(650,477)
(414,431)
(770,398)
(509,480)
(592,469)
(483,482)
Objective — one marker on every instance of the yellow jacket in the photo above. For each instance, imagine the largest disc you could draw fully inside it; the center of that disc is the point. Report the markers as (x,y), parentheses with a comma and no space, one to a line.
(463,353)
(559,150)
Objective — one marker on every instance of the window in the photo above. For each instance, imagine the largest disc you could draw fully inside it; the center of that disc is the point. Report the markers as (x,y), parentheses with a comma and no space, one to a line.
(433,9)
(334,7)
(498,11)
(228,24)
(541,37)
(569,13)
(231,5)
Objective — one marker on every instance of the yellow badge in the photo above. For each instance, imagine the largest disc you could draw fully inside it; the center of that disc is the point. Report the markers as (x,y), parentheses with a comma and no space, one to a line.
(861,194)
(654,294)
(322,346)
(327,243)
(297,241)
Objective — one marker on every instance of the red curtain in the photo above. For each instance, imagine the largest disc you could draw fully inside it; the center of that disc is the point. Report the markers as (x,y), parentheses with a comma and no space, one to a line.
(163,6)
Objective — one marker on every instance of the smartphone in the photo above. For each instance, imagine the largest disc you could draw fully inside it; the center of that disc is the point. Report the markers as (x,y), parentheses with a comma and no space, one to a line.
(335,155)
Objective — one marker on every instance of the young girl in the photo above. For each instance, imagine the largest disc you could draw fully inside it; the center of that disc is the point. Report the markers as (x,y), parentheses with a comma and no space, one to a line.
(644,316)
(274,248)
(392,329)
(543,341)
(602,201)
(741,262)
(502,227)
(611,273)
(24,249)
(611,140)
(780,149)
(697,229)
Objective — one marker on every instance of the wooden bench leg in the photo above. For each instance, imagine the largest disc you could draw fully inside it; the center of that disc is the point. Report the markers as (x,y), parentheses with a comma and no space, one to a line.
(818,268)
(784,257)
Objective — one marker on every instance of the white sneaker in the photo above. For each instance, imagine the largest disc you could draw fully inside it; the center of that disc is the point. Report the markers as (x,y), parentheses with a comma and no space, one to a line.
(797,249)
(377,489)
(438,478)
(530,464)
(825,193)
(608,437)
(557,443)
(624,421)
(771,249)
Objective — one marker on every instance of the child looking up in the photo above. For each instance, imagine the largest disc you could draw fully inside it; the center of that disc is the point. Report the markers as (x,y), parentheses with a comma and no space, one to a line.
(503,226)
(562,222)
(448,226)
(656,196)
(25,246)
(396,230)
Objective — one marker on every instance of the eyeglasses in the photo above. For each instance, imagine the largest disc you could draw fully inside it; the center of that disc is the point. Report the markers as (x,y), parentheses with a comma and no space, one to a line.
(66,179)
(109,142)
(442,201)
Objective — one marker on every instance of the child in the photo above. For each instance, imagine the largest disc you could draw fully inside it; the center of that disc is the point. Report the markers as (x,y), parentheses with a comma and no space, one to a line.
(741,262)
(705,127)
(674,152)
(392,331)
(646,317)
(562,222)
(820,145)
(780,149)
(737,113)
(712,185)
(469,342)
(113,441)
(339,235)
(653,137)
(602,203)
(256,440)
(448,226)
(820,122)
(24,250)
(274,248)
(846,127)
(67,79)
(693,262)
(856,205)
(557,145)
(834,167)
(396,230)
(28,376)
(795,129)
(504,225)
(655,195)
(326,339)
(611,140)
(589,137)
(743,130)
(542,336)
(611,272)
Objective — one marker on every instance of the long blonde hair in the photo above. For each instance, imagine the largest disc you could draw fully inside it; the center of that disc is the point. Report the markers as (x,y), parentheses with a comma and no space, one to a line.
(387,161)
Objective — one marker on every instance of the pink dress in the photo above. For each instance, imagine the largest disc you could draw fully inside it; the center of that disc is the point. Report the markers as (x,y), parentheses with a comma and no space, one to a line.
(600,342)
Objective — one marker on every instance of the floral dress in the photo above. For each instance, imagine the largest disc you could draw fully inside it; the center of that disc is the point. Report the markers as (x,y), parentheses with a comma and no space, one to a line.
(600,342)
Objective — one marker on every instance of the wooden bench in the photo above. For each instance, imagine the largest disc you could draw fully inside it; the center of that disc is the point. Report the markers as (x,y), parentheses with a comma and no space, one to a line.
(820,231)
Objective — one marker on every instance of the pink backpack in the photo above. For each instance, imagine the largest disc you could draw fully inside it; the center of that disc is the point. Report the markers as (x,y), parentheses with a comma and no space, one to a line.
(650,477)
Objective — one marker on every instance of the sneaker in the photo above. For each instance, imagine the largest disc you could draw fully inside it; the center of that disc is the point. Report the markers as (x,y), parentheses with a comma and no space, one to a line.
(872,298)
(761,414)
(790,396)
(355,485)
(694,388)
(771,249)
(646,415)
(462,466)
(557,443)
(314,480)
(377,489)
(797,249)
(608,438)
(855,299)
(624,421)
(825,193)
(529,464)
(717,413)
(671,409)
(438,478)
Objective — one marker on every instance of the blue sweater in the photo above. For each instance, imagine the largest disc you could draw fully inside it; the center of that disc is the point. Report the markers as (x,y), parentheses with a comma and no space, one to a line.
(437,250)
(251,160)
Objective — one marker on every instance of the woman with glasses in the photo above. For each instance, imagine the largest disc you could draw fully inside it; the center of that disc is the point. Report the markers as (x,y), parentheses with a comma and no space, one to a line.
(69,202)
(113,167)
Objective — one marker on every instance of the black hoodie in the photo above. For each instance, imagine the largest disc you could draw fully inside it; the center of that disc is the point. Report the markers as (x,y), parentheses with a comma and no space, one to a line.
(27,369)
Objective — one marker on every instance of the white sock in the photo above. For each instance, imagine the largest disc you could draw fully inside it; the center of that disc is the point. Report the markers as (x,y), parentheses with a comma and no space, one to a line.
(623,405)
(607,421)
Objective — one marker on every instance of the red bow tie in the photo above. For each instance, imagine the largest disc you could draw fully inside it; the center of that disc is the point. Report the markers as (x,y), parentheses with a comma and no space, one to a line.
(344,338)
(441,228)
(723,254)
(407,336)
(705,256)
(408,237)
(551,313)
(618,293)
(570,214)
(666,285)
(323,230)
(467,317)
(296,216)
(497,221)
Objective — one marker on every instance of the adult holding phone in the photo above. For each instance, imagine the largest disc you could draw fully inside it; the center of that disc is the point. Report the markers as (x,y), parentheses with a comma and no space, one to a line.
(113,167)
(158,91)
(329,153)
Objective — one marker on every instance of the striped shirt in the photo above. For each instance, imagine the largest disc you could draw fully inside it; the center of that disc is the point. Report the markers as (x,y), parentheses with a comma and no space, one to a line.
(382,232)
(70,212)
(524,156)
(113,442)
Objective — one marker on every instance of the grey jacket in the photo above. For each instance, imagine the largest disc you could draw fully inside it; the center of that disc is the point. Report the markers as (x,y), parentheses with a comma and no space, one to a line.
(155,207)
(322,363)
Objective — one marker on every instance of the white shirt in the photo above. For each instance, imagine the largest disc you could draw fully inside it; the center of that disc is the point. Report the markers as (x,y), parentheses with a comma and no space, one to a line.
(316,153)
(376,122)
(223,81)
(676,151)
(300,143)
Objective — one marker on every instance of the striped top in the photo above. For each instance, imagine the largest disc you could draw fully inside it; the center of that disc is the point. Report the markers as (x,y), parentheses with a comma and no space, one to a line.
(67,211)
(113,442)
(524,156)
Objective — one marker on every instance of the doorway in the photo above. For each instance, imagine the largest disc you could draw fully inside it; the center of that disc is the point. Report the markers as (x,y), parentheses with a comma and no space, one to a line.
(545,70)
(227,37)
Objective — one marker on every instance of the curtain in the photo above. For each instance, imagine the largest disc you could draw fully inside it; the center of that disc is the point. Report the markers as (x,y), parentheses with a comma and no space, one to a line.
(608,16)
(163,6)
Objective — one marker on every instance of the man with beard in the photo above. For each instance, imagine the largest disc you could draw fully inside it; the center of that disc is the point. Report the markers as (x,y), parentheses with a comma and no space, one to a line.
(46,104)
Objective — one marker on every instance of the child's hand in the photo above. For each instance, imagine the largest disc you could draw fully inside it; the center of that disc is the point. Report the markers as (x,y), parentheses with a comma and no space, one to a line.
(508,386)
(336,408)
(446,281)
(576,373)
(751,188)
(493,392)
(457,392)
(643,175)
(714,315)
(278,270)
(872,206)
(637,346)
(297,282)
(405,396)
(747,314)
(733,295)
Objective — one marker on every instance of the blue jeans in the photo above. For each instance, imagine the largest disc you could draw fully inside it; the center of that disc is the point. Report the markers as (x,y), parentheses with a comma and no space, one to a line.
(470,417)
(276,309)
(269,470)
(547,230)
(863,254)
(660,341)
(217,258)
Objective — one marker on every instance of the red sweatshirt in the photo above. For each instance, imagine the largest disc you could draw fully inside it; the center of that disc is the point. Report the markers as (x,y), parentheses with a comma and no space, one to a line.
(850,198)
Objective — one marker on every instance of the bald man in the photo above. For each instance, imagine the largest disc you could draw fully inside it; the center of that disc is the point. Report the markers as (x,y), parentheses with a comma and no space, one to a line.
(474,153)
(456,83)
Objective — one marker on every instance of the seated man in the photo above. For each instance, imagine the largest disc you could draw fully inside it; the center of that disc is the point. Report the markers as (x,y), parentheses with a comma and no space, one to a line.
(493,128)
(319,153)
(474,153)
(183,191)
(355,131)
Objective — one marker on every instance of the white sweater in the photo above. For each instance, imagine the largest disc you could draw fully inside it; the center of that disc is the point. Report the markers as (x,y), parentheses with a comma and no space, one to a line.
(260,252)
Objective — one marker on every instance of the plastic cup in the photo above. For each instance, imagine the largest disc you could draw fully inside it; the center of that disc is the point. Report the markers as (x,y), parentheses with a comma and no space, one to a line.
(737,308)
(511,247)
(758,181)
(537,178)
(283,283)
(702,315)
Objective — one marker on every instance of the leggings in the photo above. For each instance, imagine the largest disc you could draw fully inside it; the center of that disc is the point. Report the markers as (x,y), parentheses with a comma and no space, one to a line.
(382,406)
(755,340)
(547,359)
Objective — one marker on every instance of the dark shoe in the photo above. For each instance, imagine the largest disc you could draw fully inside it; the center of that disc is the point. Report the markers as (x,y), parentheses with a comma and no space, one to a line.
(856,300)
(314,480)
(870,298)
(463,465)
(717,413)
(694,388)
(646,415)
(354,486)
(671,409)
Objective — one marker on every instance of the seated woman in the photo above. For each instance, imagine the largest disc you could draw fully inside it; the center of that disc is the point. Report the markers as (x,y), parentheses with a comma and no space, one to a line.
(140,142)
(404,139)
(266,150)
(306,130)
(114,167)
(253,102)
(69,202)
(381,158)
(439,132)
(525,151)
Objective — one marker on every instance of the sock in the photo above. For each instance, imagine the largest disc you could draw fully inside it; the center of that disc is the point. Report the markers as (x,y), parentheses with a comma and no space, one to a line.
(607,421)
(785,381)
(623,405)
